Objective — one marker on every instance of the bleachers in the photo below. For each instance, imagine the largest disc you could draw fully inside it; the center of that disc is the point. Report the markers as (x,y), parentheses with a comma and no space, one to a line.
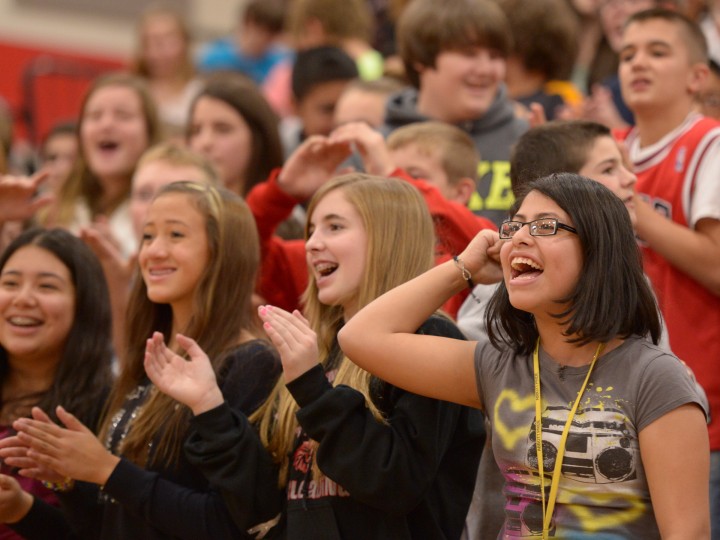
(45,86)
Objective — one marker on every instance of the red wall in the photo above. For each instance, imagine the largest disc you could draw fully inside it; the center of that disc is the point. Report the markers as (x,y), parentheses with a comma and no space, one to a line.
(54,91)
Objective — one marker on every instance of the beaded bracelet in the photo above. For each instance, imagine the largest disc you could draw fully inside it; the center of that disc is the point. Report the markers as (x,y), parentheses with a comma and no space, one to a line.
(66,485)
(467,276)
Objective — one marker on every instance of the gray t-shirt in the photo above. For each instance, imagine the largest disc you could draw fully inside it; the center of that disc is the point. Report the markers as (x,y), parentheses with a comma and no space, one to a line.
(603,492)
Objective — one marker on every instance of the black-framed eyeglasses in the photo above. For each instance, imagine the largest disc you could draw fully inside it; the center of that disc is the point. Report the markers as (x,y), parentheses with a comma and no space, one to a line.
(538,227)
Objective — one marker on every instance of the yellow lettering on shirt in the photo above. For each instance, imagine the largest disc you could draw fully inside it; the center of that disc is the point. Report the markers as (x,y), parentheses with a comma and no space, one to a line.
(500,195)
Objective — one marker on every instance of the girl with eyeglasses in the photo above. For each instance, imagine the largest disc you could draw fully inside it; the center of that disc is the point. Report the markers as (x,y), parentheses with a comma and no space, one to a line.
(596,430)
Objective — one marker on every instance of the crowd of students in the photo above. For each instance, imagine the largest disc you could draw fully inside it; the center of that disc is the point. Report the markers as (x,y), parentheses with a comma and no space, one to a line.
(371,307)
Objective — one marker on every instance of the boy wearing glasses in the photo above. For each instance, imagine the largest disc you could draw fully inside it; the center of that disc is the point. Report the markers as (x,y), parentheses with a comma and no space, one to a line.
(676,153)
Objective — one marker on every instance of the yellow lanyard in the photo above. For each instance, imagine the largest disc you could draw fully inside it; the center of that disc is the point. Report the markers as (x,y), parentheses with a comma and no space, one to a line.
(548,510)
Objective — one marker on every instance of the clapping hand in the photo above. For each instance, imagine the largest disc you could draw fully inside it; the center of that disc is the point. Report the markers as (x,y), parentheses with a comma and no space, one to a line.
(293,338)
(192,382)
(14,453)
(72,451)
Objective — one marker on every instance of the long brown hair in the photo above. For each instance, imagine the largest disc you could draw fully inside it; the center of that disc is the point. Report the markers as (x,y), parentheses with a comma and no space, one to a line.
(82,182)
(222,314)
(400,246)
(246,98)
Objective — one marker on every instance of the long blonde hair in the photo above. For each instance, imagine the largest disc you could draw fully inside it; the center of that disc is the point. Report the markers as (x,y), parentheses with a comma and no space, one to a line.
(400,246)
(221,313)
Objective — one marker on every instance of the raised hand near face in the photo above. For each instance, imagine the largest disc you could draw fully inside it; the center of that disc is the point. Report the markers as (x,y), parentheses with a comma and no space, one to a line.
(369,143)
(18,196)
(314,162)
(482,257)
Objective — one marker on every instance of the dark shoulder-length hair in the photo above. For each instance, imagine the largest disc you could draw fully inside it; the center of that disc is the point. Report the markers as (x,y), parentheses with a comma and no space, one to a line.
(83,375)
(243,95)
(612,297)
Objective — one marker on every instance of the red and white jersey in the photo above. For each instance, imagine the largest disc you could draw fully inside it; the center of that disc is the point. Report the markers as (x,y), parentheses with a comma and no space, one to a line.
(680,176)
